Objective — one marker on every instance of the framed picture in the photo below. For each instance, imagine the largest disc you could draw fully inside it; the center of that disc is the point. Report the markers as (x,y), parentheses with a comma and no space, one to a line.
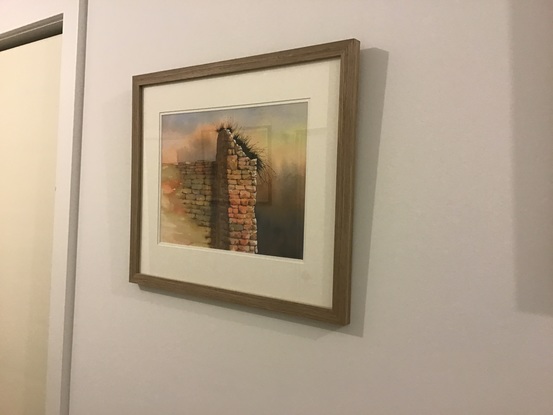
(242,180)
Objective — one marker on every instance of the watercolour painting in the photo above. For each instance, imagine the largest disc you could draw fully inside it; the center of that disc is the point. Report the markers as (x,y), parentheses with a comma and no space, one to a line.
(250,198)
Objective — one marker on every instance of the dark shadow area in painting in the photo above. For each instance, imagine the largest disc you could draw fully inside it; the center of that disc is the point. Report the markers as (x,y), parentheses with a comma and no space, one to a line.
(281,222)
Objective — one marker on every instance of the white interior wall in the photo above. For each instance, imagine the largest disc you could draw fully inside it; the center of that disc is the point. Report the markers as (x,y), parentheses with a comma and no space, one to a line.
(13,15)
(453,158)
(17,13)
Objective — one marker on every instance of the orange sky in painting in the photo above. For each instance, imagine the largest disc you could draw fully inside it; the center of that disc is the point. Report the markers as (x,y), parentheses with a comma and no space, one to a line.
(197,145)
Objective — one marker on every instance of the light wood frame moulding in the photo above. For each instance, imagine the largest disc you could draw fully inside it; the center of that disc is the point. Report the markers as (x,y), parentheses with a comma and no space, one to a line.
(347,51)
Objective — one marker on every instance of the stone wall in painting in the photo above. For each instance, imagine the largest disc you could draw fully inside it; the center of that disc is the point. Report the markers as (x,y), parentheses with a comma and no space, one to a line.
(222,195)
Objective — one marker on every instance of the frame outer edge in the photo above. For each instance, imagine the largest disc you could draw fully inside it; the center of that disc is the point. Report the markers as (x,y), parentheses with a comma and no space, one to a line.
(136,175)
(345,181)
(348,53)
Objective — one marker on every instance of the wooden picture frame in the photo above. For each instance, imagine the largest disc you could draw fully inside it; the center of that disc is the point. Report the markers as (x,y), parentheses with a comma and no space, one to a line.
(196,171)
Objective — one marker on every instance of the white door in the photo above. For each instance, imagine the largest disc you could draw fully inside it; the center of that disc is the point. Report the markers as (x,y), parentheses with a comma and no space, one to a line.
(29,103)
